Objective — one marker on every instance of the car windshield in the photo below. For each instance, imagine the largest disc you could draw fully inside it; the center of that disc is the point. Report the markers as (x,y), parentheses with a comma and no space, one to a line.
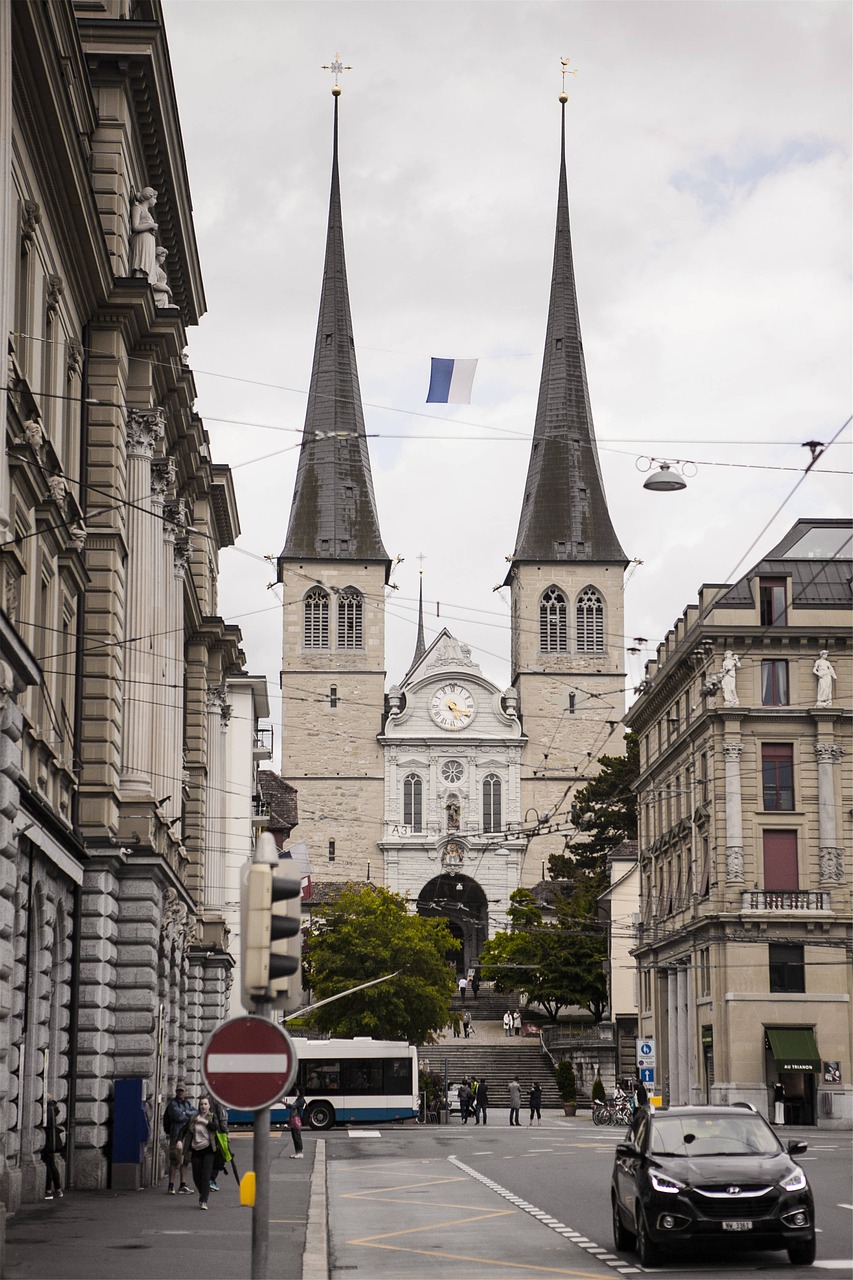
(698,1135)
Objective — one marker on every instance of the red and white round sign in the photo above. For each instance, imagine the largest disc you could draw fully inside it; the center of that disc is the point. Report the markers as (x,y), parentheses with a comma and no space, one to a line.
(249,1063)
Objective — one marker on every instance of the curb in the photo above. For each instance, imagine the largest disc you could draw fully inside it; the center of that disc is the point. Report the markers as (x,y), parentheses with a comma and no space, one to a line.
(315,1256)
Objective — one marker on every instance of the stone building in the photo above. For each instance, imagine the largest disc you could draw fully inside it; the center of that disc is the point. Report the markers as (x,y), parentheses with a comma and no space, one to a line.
(745,803)
(390,786)
(113,661)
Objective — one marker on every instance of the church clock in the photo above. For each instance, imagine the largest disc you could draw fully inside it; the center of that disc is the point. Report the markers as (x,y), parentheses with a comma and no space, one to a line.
(452,706)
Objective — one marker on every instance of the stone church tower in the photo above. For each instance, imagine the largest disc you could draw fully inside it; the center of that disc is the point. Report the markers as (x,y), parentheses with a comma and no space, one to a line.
(435,789)
(566,577)
(333,572)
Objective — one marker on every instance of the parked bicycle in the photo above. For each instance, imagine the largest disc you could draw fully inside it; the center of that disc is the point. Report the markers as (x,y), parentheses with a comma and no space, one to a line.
(615,1110)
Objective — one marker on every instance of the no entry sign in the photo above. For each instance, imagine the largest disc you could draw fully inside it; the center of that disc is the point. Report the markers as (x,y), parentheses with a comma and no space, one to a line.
(249,1063)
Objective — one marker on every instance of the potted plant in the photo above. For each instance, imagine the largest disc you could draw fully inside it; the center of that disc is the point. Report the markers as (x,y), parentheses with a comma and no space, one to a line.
(567,1086)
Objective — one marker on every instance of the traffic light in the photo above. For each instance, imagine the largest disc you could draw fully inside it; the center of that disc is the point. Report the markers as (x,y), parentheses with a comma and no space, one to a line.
(271,934)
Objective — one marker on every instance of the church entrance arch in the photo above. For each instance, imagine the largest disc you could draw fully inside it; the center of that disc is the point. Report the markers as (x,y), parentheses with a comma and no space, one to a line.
(462,903)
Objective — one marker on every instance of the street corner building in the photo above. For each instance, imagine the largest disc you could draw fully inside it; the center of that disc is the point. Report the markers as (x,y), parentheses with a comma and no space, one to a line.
(115,669)
(745,802)
(434,785)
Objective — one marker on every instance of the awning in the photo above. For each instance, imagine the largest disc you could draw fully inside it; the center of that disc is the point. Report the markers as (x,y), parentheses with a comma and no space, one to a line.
(793,1048)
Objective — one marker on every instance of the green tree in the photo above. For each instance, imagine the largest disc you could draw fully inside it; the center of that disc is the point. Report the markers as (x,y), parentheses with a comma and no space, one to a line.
(365,934)
(604,814)
(555,963)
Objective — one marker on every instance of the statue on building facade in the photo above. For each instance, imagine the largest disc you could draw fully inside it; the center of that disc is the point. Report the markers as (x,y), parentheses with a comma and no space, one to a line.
(162,292)
(143,243)
(825,672)
(728,679)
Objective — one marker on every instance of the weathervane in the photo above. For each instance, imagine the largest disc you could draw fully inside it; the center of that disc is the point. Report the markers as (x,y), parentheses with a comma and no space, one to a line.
(336,67)
(564,62)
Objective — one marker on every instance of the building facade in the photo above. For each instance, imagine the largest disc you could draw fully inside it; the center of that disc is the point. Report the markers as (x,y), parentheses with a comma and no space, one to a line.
(391,788)
(745,803)
(113,660)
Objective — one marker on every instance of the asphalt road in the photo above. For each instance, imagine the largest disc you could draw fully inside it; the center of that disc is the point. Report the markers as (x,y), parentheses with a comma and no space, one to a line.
(447,1203)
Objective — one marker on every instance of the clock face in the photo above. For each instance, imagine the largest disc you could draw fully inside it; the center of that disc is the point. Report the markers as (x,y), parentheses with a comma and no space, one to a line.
(452,706)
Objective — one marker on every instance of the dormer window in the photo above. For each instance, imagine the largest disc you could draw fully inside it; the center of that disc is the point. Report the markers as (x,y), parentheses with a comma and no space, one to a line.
(771,602)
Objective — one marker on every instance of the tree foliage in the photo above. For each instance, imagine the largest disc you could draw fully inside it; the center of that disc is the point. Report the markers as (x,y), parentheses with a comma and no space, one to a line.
(365,934)
(555,963)
(604,814)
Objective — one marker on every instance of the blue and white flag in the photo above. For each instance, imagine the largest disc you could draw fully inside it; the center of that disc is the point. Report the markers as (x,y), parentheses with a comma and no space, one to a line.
(451,381)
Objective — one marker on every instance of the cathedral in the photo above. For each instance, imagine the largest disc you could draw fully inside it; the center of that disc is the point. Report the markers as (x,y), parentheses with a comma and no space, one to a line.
(442,786)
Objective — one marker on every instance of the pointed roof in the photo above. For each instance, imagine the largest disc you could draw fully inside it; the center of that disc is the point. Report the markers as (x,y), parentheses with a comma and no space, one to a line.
(420,642)
(564,514)
(333,515)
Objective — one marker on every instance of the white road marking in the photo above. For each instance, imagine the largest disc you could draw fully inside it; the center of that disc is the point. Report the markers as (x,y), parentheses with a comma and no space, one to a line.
(835,1264)
(363,1133)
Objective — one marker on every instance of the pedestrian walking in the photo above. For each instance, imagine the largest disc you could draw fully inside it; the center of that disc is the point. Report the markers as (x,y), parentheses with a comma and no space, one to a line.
(454,1022)
(516,1022)
(176,1120)
(507,1023)
(514,1091)
(475,1104)
(201,1137)
(466,1023)
(641,1097)
(466,1099)
(463,987)
(535,1104)
(220,1158)
(475,984)
(483,1101)
(54,1145)
(297,1111)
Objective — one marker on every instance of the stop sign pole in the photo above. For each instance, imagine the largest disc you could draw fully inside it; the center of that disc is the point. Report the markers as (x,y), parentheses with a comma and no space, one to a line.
(249,1063)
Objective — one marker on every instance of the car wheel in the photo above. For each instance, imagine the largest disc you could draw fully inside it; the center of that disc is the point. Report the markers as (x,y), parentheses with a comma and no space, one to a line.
(622,1237)
(803,1253)
(321,1115)
(647,1251)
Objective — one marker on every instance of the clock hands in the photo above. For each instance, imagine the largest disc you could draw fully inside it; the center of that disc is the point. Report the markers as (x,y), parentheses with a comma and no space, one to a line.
(457,711)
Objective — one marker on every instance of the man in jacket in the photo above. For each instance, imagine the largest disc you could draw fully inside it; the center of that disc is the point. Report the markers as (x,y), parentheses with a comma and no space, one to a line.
(179,1113)
(514,1091)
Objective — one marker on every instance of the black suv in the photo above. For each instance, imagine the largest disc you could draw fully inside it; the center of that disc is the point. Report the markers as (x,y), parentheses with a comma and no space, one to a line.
(700,1173)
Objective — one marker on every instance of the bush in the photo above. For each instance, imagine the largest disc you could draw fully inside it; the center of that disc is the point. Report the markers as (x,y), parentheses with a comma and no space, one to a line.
(598,1091)
(566,1083)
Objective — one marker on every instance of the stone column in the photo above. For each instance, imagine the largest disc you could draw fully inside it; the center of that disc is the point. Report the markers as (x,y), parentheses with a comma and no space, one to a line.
(831,856)
(684,1034)
(162,479)
(672,1036)
(8,220)
(145,427)
(218,716)
(732,752)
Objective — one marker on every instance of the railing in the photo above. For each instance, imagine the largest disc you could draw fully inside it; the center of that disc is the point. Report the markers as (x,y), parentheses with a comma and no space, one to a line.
(555,1034)
(260,812)
(263,741)
(785,900)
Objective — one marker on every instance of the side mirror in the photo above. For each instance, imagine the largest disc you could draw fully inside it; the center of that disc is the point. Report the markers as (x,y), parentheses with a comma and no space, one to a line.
(797,1148)
(625,1149)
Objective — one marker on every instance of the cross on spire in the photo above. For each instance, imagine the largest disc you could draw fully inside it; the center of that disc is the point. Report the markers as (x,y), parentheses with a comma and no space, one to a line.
(336,67)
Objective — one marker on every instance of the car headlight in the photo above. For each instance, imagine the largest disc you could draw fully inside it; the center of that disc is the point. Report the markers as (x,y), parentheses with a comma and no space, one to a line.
(795,1180)
(661,1183)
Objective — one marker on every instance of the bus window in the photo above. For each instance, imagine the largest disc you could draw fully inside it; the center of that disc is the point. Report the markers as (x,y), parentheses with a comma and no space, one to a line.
(363,1076)
(398,1075)
(320,1077)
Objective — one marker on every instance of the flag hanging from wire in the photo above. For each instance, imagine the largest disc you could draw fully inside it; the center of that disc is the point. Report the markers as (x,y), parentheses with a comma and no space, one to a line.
(451,381)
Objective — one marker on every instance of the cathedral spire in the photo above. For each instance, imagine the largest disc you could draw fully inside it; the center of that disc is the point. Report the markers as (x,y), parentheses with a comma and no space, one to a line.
(334,515)
(420,643)
(564,515)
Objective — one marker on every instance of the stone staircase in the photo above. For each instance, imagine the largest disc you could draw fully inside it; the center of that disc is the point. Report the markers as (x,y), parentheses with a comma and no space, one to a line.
(498,1061)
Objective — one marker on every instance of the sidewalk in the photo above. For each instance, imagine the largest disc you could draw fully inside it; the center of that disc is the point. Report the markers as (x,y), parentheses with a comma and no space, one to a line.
(149,1235)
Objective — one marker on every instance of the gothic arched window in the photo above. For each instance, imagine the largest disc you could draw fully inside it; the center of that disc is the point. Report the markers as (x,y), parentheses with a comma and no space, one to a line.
(350,606)
(316,619)
(491,802)
(413,802)
(590,621)
(553,631)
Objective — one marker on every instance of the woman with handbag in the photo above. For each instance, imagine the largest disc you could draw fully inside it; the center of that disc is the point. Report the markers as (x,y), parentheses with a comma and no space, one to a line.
(297,1110)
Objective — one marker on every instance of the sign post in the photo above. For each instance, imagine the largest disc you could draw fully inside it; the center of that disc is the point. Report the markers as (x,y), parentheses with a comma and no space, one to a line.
(249,1063)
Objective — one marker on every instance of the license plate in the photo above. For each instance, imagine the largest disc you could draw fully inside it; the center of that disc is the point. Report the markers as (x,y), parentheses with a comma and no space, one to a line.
(739,1225)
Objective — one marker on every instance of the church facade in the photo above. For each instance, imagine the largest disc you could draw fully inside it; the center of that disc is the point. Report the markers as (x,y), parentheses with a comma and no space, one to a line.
(444,787)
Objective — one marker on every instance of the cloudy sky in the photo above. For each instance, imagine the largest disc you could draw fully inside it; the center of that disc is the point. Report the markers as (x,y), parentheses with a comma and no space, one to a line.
(709,174)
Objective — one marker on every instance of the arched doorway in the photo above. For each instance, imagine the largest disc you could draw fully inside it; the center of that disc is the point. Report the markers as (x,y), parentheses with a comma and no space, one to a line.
(464,906)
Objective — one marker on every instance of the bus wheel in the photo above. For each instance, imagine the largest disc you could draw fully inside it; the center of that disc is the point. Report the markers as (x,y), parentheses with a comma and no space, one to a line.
(321,1115)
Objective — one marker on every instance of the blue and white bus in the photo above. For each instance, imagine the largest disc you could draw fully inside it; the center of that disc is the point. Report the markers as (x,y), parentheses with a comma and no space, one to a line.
(348,1081)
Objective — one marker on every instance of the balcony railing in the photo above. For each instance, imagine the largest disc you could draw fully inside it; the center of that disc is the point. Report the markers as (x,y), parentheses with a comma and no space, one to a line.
(260,812)
(785,900)
(263,744)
